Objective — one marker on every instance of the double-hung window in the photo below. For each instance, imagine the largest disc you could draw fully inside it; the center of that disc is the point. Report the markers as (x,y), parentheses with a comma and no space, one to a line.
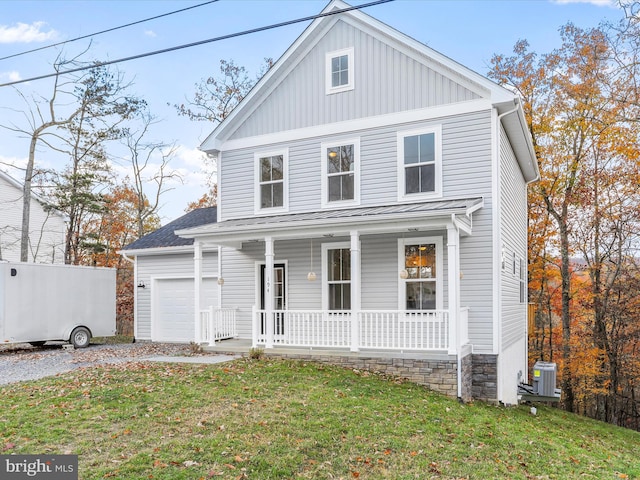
(419,164)
(339,71)
(341,176)
(421,278)
(337,265)
(271,184)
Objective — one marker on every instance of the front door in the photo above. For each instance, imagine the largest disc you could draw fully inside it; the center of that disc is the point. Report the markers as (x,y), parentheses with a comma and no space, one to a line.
(279,285)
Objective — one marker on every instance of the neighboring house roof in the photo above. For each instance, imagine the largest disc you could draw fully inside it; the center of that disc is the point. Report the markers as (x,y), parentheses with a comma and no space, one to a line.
(166,237)
(12,181)
(502,99)
(373,219)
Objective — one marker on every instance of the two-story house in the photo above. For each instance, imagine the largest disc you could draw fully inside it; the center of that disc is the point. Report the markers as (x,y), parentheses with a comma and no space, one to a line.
(372,209)
(46,230)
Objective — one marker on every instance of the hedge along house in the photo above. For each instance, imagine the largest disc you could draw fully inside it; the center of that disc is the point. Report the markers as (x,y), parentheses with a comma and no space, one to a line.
(372,212)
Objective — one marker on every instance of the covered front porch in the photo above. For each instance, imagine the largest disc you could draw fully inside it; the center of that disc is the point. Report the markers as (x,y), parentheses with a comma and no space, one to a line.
(411,305)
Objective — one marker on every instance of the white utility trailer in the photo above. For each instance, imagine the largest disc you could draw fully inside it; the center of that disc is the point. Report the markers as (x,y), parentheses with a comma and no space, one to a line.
(43,302)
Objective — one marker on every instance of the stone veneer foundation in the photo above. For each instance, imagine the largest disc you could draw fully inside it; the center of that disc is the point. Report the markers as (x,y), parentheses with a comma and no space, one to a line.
(440,375)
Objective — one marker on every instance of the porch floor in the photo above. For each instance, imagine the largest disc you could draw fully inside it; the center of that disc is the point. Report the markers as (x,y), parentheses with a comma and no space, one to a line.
(243,346)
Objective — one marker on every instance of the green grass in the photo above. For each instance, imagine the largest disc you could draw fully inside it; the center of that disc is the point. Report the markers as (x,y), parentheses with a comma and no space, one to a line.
(275,419)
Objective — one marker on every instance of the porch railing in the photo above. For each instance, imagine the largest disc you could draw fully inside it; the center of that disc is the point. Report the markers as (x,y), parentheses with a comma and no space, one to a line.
(376,329)
(217,324)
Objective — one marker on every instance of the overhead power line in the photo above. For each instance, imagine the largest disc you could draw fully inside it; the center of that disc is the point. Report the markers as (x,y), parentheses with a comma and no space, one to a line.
(195,44)
(108,30)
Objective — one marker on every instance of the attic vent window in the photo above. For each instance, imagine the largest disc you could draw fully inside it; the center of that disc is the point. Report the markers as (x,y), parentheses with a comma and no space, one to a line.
(340,71)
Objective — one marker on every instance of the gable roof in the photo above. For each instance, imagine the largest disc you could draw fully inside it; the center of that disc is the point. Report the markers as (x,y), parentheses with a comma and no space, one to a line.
(165,236)
(15,183)
(497,96)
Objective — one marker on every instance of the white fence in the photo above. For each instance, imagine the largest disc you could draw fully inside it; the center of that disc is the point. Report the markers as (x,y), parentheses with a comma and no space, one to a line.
(390,330)
(217,324)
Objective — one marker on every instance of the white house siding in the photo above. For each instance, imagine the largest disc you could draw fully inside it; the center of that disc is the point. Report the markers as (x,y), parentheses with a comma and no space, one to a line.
(513,233)
(46,230)
(164,266)
(396,81)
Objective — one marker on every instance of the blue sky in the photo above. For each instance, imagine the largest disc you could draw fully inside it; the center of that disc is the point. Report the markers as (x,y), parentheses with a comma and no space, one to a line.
(470,32)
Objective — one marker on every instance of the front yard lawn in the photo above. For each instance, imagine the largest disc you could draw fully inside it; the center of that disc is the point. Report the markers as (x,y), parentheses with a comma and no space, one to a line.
(276,419)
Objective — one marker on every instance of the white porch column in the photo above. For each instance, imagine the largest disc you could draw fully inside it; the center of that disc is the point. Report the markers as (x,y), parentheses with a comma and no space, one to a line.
(453,264)
(197,288)
(268,290)
(355,290)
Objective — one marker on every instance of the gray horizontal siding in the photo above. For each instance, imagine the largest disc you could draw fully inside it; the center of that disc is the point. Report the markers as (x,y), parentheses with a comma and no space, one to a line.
(466,158)
(513,231)
(164,266)
(386,81)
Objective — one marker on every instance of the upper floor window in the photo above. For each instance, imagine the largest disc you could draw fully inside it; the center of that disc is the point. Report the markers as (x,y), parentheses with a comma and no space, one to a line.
(419,164)
(339,71)
(271,175)
(341,177)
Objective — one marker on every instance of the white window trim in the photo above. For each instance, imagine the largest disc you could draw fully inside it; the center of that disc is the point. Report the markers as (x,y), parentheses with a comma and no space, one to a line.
(402,283)
(325,265)
(437,193)
(325,203)
(257,209)
(331,55)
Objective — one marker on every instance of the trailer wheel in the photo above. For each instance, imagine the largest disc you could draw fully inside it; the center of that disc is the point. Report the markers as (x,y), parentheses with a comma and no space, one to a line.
(80,337)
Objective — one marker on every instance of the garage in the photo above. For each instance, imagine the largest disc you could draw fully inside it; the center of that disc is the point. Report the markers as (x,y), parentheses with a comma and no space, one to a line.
(173,308)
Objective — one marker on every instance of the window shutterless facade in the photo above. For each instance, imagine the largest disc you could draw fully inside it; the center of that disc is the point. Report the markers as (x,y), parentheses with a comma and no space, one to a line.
(421,258)
(271,182)
(341,173)
(419,164)
(339,71)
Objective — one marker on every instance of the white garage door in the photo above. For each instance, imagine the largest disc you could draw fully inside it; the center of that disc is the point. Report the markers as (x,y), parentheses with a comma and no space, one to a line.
(173,316)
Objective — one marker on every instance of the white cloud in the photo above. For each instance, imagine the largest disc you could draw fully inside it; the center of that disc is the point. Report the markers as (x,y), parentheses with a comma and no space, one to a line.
(598,3)
(150,33)
(25,33)
(11,76)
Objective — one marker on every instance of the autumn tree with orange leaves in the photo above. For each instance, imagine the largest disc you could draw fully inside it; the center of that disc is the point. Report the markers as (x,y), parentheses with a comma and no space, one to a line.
(583,211)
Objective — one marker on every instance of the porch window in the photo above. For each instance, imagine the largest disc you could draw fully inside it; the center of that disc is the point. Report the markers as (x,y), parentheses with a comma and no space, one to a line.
(341,173)
(338,283)
(339,71)
(419,164)
(271,175)
(422,260)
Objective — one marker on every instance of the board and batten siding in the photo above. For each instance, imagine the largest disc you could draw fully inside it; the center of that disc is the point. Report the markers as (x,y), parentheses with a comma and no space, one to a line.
(466,149)
(513,232)
(386,81)
(177,265)
(46,229)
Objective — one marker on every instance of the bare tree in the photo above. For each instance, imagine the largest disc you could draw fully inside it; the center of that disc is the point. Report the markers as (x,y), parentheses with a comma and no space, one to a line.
(93,94)
(150,170)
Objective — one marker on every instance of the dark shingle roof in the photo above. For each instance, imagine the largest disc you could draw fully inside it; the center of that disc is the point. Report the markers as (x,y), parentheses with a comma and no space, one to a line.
(165,236)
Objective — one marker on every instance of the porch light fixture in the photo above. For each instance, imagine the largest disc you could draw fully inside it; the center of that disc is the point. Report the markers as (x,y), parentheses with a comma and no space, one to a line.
(220,281)
(311,276)
(141,284)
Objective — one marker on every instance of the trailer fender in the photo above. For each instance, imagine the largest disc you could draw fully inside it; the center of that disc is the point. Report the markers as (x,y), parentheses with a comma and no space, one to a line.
(79,336)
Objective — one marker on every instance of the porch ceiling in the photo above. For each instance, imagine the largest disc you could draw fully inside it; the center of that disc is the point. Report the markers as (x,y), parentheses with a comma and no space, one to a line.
(367,220)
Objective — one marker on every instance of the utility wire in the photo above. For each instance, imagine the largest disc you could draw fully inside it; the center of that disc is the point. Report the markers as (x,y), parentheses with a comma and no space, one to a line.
(107,31)
(194,44)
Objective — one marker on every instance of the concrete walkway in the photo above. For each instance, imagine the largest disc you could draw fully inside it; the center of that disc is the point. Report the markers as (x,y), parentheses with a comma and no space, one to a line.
(203,359)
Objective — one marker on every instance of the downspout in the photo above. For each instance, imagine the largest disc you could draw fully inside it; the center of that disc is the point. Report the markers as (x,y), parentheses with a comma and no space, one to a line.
(499,385)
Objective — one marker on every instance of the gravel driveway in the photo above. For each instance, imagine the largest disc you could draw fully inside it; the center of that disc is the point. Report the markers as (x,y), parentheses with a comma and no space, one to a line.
(24,362)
